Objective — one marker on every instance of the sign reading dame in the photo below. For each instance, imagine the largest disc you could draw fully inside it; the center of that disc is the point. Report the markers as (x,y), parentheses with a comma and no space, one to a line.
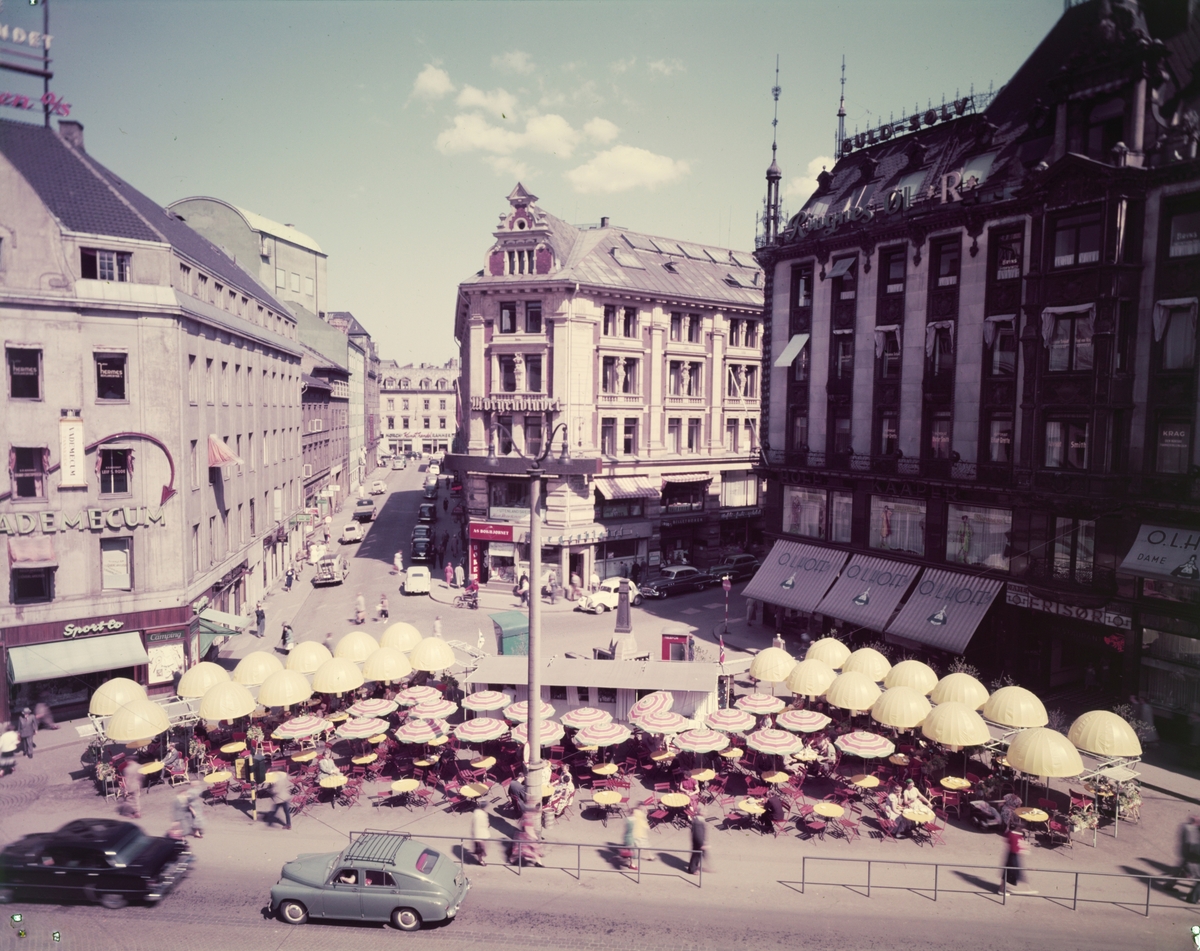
(49,522)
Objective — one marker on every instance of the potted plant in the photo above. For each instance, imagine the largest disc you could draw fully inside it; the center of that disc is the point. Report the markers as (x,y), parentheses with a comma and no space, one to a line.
(195,753)
(254,736)
(1084,817)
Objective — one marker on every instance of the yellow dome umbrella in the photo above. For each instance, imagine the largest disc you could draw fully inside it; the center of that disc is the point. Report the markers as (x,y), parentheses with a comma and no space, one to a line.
(1016,707)
(356,646)
(307,656)
(1039,751)
(960,688)
(432,654)
(113,694)
(772,665)
(227,701)
(810,677)
(912,673)
(337,675)
(284,688)
(256,667)
(901,707)
(867,660)
(196,681)
(830,650)
(1105,734)
(387,665)
(137,720)
(402,636)
(853,691)
(956,725)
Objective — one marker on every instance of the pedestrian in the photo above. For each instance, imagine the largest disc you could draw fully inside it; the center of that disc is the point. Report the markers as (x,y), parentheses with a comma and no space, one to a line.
(397,562)
(445,505)
(699,836)
(481,831)
(27,729)
(459,576)
(261,617)
(9,741)
(328,642)
(1013,872)
(281,796)
(517,793)
(133,790)
(449,573)
(437,626)
(635,574)
(45,716)
(181,817)
(196,810)
(285,640)
(288,577)
(360,609)
(637,836)
(552,584)
(383,606)
(1189,853)
(594,582)
(774,811)
(523,589)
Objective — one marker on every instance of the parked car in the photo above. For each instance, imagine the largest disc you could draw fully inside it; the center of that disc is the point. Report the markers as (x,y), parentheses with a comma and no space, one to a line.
(427,512)
(98,860)
(736,567)
(422,549)
(675,579)
(605,598)
(399,463)
(379,487)
(416,580)
(422,531)
(431,487)
(331,569)
(379,876)
(352,533)
(434,469)
(364,510)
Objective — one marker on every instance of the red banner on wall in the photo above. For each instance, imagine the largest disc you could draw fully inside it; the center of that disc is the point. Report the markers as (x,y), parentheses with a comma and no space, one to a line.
(484,531)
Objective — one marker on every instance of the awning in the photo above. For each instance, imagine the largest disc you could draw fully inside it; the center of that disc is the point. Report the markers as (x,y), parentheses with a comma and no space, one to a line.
(627,487)
(841,267)
(1168,553)
(34,551)
(219,454)
(795,575)
(222,624)
(678,477)
(84,655)
(945,608)
(791,351)
(868,591)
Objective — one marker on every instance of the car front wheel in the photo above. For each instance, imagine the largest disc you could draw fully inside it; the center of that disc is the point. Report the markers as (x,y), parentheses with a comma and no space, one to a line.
(293,912)
(112,901)
(406,919)
(637,600)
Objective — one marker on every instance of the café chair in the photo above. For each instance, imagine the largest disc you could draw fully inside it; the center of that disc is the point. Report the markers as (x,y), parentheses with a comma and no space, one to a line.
(1059,833)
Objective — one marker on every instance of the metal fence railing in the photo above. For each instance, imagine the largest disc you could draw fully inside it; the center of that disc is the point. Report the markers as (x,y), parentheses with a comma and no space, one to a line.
(1062,886)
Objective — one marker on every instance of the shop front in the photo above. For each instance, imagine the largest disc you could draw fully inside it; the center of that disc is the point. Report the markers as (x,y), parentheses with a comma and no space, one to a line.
(686,535)
(491,552)
(61,663)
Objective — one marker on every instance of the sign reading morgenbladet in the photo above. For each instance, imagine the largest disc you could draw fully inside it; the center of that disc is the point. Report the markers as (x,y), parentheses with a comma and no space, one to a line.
(512,404)
(38,40)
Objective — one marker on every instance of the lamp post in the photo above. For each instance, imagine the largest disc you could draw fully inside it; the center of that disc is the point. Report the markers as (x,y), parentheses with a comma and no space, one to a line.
(534,781)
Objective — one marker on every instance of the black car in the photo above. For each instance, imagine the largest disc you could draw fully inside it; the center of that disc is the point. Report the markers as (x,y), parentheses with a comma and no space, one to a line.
(422,550)
(422,531)
(427,512)
(676,579)
(736,567)
(99,860)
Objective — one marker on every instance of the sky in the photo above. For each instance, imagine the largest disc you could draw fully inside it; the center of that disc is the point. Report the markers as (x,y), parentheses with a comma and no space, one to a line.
(391,132)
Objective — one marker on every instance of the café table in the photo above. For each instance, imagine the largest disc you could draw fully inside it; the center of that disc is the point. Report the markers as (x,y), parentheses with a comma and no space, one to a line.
(587,749)
(865,781)
(403,789)
(702,775)
(275,775)
(438,741)
(919,816)
(473,790)
(1031,815)
(483,762)
(605,769)
(734,753)
(340,717)
(675,800)
(306,757)
(806,755)
(607,800)
(899,759)
(218,776)
(955,783)
(425,763)
(334,780)
(364,759)
(232,749)
(751,807)
(151,771)
(829,810)
(377,739)
(775,777)
(662,756)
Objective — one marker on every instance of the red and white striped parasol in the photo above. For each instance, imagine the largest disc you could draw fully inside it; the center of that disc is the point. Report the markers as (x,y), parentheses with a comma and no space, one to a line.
(421,731)
(485,700)
(374,707)
(760,703)
(602,734)
(659,701)
(730,720)
(299,727)
(551,732)
(802,721)
(519,712)
(778,742)
(864,744)
(663,722)
(703,740)
(410,696)
(481,730)
(436,709)
(585,716)
(361,727)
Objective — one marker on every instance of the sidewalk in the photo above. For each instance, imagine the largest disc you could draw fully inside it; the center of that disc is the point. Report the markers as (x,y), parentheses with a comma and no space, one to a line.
(492,600)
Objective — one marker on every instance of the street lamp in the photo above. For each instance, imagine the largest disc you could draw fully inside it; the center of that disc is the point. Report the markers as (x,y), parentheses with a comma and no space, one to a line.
(534,781)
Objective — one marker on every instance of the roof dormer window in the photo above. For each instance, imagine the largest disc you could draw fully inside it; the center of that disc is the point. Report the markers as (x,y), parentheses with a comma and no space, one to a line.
(99,265)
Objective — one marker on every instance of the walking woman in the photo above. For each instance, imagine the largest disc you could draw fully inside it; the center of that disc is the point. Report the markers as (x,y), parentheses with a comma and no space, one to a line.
(1014,875)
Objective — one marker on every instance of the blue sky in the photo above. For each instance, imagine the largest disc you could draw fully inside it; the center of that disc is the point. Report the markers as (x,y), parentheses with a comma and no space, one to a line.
(391,132)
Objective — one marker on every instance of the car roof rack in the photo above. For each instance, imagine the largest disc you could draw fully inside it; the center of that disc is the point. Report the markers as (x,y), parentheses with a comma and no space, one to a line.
(375,845)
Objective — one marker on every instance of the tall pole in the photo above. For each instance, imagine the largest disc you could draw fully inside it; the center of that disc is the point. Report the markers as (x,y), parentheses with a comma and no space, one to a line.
(535,781)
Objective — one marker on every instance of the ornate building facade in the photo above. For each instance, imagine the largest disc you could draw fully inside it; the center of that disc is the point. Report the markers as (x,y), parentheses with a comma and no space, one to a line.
(418,406)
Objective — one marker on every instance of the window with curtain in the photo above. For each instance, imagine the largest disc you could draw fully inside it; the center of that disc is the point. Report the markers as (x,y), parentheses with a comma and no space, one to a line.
(841,508)
(1184,235)
(533,317)
(1179,339)
(1077,240)
(941,357)
(114,471)
(947,255)
(504,434)
(842,355)
(887,350)
(629,441)
(891,270)
(677,327)
(1074,549)
(804,511)
(800,365)
(508,374)
(508,317)
(897,524)
(674,435)
(978,536)
(1004,351)
(800,431)
(1067,444)
(1009,255)
(939,436)
(1071,344)
(889,432)
(1000,439)
(842,433)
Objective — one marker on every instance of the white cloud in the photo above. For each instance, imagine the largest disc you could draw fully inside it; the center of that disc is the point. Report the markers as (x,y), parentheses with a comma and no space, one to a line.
(432,83)
(623,65)
(472,132)
(551,133)
(500,103)
(504,165)
(514,61)
(624,167)
(801,188)
(600,130)
(666,67)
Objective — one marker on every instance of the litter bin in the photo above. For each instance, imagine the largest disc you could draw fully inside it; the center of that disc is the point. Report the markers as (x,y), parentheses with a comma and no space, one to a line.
(512,632)
(259,768)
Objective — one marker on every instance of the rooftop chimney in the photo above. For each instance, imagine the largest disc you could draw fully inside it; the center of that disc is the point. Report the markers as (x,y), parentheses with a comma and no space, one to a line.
(604,222)
(72,133)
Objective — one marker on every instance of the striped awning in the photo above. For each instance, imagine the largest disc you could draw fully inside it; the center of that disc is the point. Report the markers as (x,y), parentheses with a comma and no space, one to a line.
(687,477)
(626,487)
(32,551)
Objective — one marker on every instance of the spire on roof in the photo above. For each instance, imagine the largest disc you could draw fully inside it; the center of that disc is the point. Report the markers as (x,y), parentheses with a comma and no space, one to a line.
(841,114)
(520,198)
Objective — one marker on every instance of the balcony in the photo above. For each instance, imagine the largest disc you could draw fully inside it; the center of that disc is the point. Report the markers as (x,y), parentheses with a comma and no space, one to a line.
(619,399)
(1090,485)
(1058,582)
(741,404)
(684,402)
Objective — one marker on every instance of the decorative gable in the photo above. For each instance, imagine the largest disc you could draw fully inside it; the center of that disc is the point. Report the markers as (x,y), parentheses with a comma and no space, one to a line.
(523,239)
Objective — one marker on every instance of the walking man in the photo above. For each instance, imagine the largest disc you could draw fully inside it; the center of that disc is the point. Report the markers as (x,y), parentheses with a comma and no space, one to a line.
(360,609)
(383,606)
(699,834)
(261,617)
(481,831)
(1189,848)
(27,729)
(288,577)
(281,796)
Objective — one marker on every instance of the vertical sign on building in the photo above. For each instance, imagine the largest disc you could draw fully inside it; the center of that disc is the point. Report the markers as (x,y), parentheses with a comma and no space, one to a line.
(73,468)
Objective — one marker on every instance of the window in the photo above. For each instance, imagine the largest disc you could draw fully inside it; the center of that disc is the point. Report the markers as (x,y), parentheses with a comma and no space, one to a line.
(391,422)
(693,436)
(442,403)
(680,497)
(897,525)
(629,327)
(1067,444)
(1000,439)
(610,320)
(842,355)
(1074,549)
(731,435)
(1184,235)
(194,464)
(404,404)
(404,422)
(891,270)
(533,376)
(1009,255)
(202,287)
(940,345)
(225,382)
(533,434)
(677,327)
(608,436)
(508,375)
(800,432)
(978,536)
(683,379)
(889,433)
(804,511)
(509,493)
(841,433)
(841,508)
(1071,344)
(674,435)
(32,585)
(1178,338)
(939,436)
(619,375)
(280,278)
(1106,127)
(114,471)
(253,524)
(887,349)
(218,294)
(28,468)
(295,282)
(1174,447)
(694,328)
(212,540)
(185,278)
(508,317)
(116,564)
(735,332)
(622,508)
(533,317)
(739,489)
(1077,240)
(441,422)
(24,373)
(751,428)
(843,273)
(426,423)
(1004,350)
(751,333)
(238,384)
(802,281)
(210,383)
(800,365)
(629,441)
(100,265)
(947,256)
